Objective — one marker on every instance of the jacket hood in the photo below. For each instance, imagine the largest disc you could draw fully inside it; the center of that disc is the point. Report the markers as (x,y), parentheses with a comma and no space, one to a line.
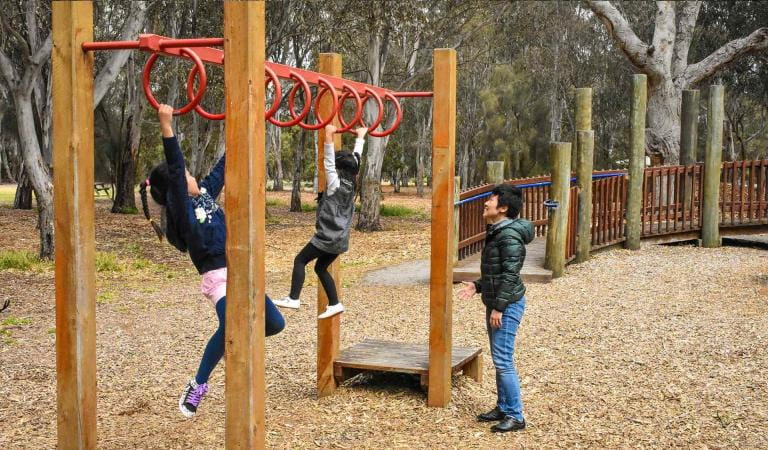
(523,227)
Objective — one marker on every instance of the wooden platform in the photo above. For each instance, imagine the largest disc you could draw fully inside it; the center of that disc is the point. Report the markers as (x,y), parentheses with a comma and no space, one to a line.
(387,356)
(533,269)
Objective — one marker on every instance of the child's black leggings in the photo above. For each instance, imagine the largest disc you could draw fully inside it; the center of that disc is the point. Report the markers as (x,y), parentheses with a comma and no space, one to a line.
(324,260)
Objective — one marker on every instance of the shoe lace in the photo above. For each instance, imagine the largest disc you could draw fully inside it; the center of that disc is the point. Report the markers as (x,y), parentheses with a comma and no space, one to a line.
(195,395)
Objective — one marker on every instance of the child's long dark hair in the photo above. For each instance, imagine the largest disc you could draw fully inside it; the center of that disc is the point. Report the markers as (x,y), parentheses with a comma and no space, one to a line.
(348,165)
(158,184)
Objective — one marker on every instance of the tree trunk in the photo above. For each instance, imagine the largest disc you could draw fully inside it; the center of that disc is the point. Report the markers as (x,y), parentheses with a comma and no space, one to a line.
(663,132)
(125,199)
(23,198)
(298,158)
(419,172)
(370,194)
(274,134)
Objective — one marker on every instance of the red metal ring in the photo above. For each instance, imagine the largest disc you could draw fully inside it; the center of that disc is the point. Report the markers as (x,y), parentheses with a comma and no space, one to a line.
(368,94)
(299,81)
(358,112)
(198,108)
(278,91)
(398,117)
(203,81)
(334,109)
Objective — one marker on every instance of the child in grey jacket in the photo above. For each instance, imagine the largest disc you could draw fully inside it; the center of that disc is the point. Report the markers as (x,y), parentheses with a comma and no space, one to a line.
(334,221)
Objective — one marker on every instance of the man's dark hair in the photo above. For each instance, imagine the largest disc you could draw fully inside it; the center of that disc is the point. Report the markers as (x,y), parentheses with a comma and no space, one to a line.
(511,197)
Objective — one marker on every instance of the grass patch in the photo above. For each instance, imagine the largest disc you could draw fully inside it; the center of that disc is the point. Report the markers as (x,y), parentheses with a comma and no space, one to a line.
(105,298)
(15,322)
(399,211)
(18,259)
(133,248)
(274,202)
(107,262)
(308,207)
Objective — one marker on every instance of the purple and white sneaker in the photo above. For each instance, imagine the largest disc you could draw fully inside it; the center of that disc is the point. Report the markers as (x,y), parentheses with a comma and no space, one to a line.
(191,397)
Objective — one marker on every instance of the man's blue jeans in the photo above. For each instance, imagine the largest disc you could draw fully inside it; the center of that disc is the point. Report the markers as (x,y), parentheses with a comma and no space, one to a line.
(503,354)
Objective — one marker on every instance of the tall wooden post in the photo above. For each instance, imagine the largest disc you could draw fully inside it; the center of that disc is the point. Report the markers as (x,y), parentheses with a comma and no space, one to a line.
(713,162)
(328,330)
(583,101)
(74,227)
(441,277)
(636,161)
(557,225)
(689,127)
(245,204)
(689,137)
(495,172)
(583,160)
(456,219)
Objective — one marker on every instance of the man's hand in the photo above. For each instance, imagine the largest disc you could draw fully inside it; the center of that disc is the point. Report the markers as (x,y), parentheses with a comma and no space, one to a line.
(496,319)
(361,132)
(467,291)
(165,115)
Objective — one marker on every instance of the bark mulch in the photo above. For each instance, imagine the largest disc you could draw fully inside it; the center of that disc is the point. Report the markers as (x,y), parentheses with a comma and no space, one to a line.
(661,347)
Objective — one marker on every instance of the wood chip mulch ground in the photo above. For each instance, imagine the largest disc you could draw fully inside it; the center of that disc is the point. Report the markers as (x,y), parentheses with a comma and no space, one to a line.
(663,347)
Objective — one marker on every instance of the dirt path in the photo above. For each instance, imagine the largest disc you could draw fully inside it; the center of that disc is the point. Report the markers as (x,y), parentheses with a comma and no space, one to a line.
(657,348)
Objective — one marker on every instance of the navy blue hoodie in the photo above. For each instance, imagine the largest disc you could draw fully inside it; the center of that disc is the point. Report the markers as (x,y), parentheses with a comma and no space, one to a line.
(195,224)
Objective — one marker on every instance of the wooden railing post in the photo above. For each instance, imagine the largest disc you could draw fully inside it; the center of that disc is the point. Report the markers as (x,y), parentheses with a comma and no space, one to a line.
(456,219)
(713,161)
(557,227)
(441,241)
(74,225)
(328,330)
(689,127)
(583,160)
(495,171)
(586,143)
(636,161)
(244,42)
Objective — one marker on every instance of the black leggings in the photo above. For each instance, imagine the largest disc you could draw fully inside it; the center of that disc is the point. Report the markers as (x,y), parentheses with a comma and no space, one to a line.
(324,260)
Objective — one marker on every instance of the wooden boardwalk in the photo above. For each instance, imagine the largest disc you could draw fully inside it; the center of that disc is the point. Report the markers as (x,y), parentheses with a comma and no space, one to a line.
(387,356)
(533,271)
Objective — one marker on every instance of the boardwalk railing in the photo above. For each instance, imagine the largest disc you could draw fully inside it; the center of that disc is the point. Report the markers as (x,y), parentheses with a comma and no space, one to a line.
(672,203)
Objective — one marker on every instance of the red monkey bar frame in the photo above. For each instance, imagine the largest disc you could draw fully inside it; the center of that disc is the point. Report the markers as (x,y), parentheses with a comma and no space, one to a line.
(201,51)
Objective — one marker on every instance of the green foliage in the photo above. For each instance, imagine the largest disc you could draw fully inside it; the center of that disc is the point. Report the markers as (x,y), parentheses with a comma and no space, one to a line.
(398,211)
(308,207)
(107,262)
(18,259)
(15,322)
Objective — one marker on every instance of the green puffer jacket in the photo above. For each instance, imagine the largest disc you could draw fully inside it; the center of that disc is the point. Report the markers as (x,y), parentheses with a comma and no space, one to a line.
(500,283)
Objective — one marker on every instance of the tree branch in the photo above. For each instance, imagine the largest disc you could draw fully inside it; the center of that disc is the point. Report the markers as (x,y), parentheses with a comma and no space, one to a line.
(685,24)
(117,59)
(617,25)
(757,41)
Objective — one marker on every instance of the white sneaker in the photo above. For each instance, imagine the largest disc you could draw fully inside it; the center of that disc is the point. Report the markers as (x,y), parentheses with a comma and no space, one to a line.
(287,302)
(332,311)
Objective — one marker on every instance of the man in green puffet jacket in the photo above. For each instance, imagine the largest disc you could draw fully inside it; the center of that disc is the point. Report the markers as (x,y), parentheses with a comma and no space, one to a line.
(503,294)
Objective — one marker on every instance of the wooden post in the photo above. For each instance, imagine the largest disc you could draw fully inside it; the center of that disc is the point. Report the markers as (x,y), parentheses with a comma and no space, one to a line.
(585,151)
(328,330)
(495,171)
(636,161)
(245,204)
(689,130)
(583,122)
(689,137)
(713,162)
(443,171)
(74,224)
(557,225)
(456,219)
(583,160)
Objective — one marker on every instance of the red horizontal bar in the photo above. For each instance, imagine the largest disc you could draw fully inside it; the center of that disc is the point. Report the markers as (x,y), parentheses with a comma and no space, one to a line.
(171,47)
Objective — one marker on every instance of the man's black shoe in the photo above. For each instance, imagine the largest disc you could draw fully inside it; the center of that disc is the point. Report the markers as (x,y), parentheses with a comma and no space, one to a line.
(491,416)
(508,424)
